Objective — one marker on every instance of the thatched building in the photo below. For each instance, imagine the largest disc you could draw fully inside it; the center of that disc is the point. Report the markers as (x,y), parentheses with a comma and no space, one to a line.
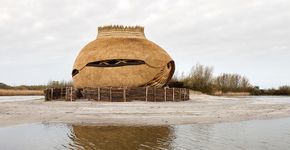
(122,57)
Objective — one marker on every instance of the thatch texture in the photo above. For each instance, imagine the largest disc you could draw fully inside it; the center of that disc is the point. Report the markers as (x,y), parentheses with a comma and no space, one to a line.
(122,45)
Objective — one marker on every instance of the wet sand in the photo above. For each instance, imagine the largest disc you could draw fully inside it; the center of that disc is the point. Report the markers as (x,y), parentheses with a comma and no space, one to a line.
(200,109)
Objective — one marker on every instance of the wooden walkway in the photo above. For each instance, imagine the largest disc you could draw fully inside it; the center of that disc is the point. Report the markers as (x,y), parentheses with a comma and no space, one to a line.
(122,94)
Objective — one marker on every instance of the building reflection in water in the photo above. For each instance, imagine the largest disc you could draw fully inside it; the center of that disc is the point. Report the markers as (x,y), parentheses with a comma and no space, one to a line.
(121,138)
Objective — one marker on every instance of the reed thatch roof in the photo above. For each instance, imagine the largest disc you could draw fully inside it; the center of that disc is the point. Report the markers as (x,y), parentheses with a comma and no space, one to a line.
(141,59)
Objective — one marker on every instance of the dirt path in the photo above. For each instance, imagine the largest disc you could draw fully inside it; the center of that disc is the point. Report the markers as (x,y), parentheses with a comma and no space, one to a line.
(201,109)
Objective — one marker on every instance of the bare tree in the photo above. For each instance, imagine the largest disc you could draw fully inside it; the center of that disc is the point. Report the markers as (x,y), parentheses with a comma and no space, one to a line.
(200,78)
(232,82)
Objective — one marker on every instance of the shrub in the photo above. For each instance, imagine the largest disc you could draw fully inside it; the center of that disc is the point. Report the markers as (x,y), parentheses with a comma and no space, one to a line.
(4,86)
(59,84)
(200,79)
(232,83)
(283,90)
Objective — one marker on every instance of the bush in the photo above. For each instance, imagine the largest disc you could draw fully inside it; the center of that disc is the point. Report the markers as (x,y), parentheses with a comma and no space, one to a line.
(283,90)
(232,83)
(22,87)
(59,84)
(200,79)
(4,86)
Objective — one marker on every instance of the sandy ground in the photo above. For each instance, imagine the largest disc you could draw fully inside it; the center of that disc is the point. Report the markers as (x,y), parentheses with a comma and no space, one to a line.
(200,109)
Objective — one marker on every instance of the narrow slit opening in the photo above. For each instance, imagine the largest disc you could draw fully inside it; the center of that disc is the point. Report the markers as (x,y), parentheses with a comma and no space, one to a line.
(115,63)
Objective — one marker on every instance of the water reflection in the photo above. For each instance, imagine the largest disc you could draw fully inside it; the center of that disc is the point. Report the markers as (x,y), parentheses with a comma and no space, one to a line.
(258,135)
(121,138)
(255,134)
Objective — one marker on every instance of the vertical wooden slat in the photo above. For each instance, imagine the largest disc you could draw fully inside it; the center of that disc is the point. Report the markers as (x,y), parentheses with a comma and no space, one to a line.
(99,94)
(45,95)
(173,99)
(146,93)
(87,94)
(66,93)
(71,93)
(51,94)
(180,94)
(60,93)
(124,94)
(184,94)
(110,93)
(165,94)
(154,93)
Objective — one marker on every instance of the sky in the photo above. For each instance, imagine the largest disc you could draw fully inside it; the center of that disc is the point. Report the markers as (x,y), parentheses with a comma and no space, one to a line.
(40,39)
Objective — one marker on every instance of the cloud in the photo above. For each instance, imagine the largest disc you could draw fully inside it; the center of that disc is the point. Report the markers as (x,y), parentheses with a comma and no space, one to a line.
(40,39)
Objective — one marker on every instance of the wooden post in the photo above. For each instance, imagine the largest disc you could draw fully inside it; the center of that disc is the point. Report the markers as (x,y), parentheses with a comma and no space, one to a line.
(124,94)
(99,94)
(93,94)
(70,93)
(154,93)
(51,94)
(86,94)
(173,99)
(110,94)
(146,93)
(180,94)
(45,95)
(66,93)
(165,94)
(60,93)
(184,94)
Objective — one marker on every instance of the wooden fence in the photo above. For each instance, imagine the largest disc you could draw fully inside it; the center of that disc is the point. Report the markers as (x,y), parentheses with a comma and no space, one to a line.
(121,94)
(67,93)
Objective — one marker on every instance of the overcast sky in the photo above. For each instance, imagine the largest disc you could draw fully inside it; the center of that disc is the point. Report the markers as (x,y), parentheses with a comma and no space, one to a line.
(40,39)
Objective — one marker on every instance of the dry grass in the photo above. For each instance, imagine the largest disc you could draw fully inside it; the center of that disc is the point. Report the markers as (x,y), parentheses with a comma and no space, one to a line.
(219,93)
(12,92)
(192,92)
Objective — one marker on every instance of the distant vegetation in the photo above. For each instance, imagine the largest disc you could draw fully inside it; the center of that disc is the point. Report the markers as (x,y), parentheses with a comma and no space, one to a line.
(282,90)
(22,87)
(7,90)
(201,78)
(4,86)
(59,84)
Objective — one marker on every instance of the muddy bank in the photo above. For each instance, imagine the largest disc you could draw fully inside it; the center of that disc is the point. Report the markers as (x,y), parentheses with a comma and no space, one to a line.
(200,109)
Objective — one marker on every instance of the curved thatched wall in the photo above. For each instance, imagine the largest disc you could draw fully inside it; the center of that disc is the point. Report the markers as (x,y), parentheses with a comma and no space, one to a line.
(122,56)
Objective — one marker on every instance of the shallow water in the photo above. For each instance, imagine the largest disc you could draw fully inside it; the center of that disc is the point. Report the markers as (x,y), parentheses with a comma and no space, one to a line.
(270,99)
(257,134)
(19,98)
(257,99)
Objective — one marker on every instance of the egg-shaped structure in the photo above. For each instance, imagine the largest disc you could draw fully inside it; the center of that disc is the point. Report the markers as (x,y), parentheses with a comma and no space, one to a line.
(122,57)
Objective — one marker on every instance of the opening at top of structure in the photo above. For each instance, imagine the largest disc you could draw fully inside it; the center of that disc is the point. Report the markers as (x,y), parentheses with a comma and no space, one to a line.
(121,28)
(121,31)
